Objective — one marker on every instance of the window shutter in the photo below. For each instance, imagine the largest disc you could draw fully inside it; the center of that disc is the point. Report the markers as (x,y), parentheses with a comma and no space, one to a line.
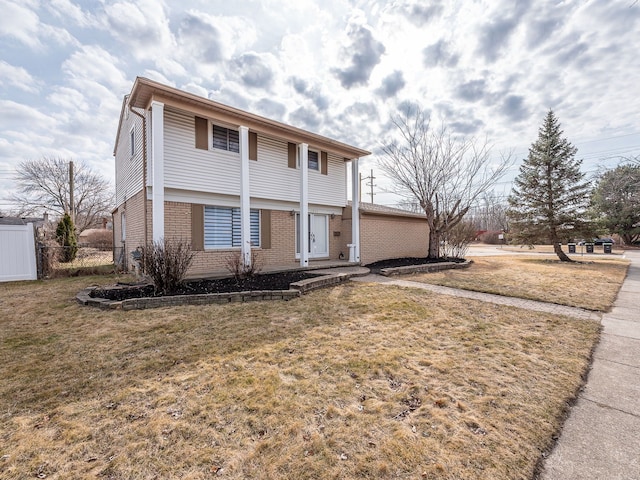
(253,146)
(265,231)
(197,227)
(324,164)
(293,150)
(202,140)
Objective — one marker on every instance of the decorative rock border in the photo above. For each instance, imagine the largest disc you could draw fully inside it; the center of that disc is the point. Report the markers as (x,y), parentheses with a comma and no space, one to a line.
(425,268)
(296,289)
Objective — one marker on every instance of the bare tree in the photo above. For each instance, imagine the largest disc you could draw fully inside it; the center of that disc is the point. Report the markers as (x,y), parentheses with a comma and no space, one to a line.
(443,173)
(44,184)
(490,213)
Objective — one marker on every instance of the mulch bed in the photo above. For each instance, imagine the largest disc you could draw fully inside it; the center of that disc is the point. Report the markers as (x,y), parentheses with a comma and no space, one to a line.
(269,281)
(375,267)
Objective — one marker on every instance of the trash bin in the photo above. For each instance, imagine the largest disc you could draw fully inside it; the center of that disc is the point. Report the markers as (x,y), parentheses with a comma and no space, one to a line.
(607,247)
(589,247)
(572,247)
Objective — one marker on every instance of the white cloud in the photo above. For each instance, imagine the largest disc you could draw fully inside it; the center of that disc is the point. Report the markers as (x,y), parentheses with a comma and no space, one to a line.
(94,65)
(17,77)
(20,22)
(66,9)
(141,27)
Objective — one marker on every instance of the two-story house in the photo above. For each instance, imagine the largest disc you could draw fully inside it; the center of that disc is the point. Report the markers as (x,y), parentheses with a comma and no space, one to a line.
(227,181)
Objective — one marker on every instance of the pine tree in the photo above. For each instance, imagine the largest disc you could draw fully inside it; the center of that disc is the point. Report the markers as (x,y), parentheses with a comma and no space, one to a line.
(66,237)
(550,197)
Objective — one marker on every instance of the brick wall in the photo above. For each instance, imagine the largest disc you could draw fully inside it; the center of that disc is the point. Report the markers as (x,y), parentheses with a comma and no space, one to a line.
(133,209)
(385,236)
(177,226)
(281,253)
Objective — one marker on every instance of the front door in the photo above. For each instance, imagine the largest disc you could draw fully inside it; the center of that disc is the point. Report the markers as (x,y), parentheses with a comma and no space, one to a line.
(318,235)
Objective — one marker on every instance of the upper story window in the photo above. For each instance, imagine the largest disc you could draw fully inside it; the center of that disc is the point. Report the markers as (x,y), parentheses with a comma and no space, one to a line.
(226,139)
(132,140)
(314,160)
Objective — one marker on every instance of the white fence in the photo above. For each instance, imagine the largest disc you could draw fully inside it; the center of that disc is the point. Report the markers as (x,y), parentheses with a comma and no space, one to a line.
(17,253)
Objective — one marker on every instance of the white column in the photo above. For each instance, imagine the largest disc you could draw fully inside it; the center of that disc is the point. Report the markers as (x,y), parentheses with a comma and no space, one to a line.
(245,197)
(355,207)
(303,155)
(157,174)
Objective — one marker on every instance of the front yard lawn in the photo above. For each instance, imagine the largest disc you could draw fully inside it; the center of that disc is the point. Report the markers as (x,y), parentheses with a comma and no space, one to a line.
(354,381)
(591,284)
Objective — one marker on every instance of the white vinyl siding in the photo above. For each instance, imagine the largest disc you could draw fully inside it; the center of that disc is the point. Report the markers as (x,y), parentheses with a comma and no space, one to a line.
(129,165)
(189,168)
(222,227)
(218,171)
(271,178)
(329,189)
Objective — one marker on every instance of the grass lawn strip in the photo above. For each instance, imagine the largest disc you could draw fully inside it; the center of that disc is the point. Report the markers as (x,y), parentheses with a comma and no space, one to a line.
(356,381)
(592,285)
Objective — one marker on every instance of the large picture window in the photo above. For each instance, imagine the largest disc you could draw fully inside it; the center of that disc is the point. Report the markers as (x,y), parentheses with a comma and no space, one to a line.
(222,227)
(226,139)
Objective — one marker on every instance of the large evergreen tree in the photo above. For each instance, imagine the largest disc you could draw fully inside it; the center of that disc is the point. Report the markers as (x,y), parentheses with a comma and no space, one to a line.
(550,196)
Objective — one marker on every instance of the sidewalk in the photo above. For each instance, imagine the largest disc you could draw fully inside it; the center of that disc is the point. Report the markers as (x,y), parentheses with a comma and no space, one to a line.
(601,438)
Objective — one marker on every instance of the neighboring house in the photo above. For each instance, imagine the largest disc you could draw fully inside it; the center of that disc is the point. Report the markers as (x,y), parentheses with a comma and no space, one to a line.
(230,182)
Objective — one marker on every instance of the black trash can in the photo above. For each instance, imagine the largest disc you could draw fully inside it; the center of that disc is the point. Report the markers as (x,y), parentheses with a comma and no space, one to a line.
(589,247)
(572,247)
(607,247)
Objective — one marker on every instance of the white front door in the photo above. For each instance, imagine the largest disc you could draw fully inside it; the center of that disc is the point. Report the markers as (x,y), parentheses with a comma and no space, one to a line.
(318,235)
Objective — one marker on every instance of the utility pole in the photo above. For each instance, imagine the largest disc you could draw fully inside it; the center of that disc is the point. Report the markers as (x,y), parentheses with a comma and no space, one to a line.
(370,183)
(71,208)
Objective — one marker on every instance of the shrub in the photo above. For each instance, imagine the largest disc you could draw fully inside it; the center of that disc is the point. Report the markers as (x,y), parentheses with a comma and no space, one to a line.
(66,237)
(239,271)
(457,240)
(101,239)
(166,262)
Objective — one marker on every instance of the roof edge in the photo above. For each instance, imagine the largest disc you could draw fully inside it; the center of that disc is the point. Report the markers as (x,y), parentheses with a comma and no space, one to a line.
(144,90)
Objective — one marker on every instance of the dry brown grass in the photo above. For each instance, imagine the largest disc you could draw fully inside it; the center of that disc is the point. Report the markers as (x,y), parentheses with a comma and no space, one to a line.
(356,381)
(592,284)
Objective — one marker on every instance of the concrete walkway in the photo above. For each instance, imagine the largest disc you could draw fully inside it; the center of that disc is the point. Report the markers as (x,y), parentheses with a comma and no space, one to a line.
(486,297)
(601,438)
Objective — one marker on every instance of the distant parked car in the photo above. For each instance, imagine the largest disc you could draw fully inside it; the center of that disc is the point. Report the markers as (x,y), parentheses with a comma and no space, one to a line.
(602,241)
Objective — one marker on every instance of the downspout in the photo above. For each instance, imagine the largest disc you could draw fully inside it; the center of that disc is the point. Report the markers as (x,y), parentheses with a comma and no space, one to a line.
(144,172)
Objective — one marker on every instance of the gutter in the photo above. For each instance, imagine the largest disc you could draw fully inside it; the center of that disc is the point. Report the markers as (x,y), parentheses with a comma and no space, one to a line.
(144,170)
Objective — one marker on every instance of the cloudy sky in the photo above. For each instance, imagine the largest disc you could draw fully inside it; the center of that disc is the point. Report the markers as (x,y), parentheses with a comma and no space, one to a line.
(336,67)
